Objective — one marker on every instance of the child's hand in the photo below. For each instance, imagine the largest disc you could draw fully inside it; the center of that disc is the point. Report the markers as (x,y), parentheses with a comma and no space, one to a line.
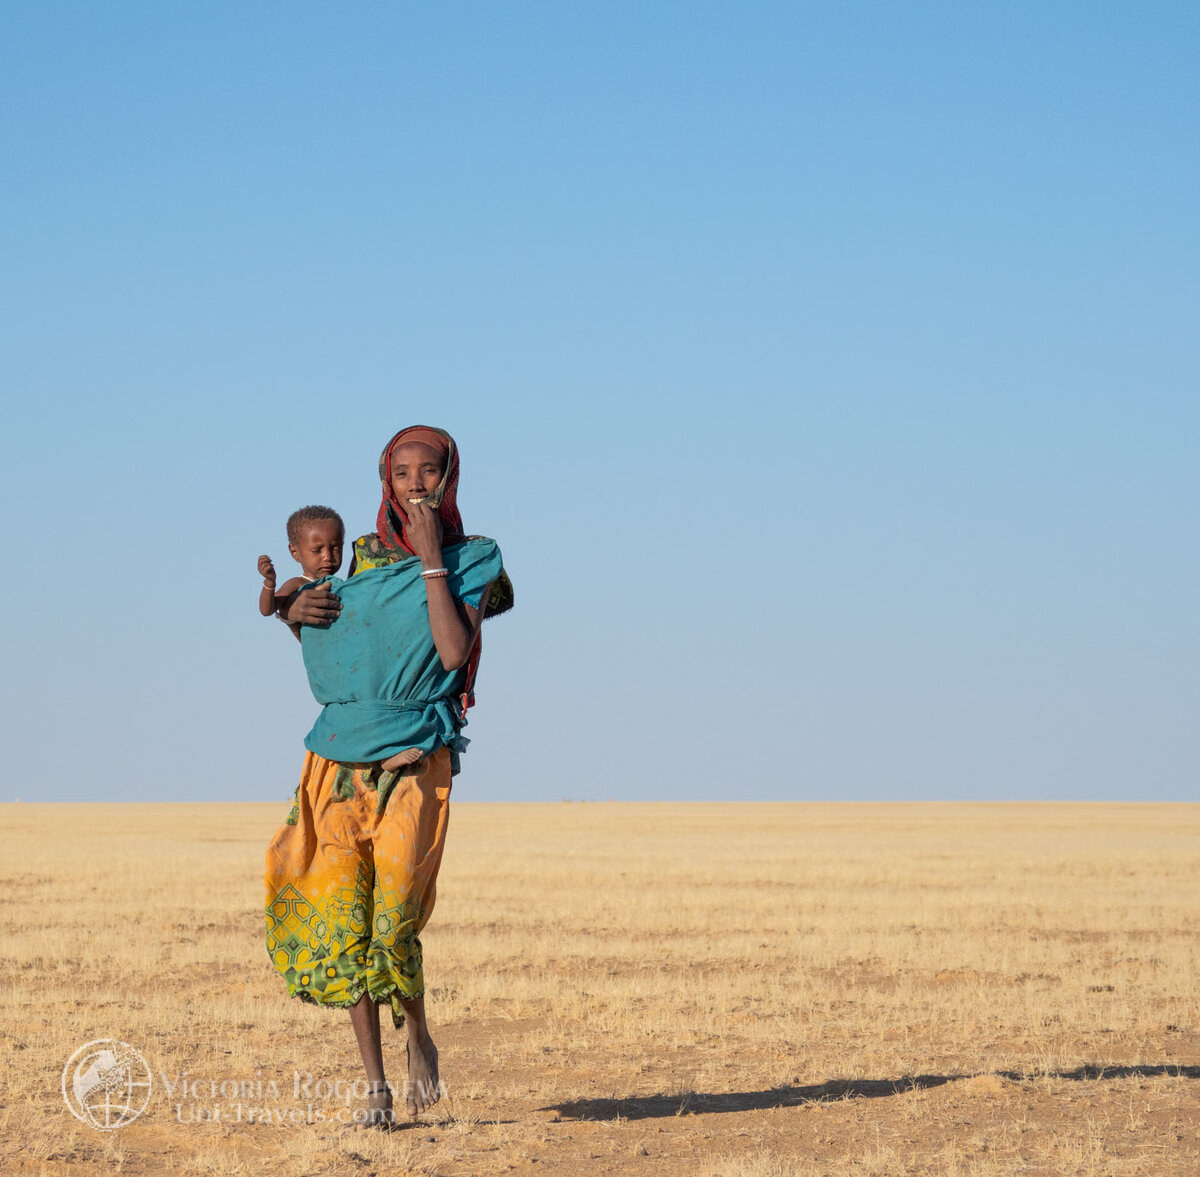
(267,571)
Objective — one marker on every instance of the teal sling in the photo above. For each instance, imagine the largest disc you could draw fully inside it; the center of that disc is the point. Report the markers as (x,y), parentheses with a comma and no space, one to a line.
(376,671)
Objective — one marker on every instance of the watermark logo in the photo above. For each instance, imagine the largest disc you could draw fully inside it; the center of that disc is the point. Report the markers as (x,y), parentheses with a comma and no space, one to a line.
(262,1101)
(106,1084)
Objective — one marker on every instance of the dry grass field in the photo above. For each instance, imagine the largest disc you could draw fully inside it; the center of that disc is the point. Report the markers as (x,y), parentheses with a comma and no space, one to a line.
(733,990)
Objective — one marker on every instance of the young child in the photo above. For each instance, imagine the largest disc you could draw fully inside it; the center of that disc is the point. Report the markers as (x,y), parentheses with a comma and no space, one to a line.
(315,539)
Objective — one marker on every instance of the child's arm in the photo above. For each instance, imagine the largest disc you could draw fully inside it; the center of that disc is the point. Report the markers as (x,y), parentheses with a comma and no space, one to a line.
(287,590)
(271,598)
(266,598)
(285,597)
(319,607)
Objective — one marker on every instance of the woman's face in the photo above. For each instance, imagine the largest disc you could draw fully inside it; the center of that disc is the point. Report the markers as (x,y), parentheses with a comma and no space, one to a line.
(416,471)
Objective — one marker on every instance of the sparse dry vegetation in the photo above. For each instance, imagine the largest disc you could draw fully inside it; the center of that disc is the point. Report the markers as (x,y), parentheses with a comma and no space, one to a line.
(722,990)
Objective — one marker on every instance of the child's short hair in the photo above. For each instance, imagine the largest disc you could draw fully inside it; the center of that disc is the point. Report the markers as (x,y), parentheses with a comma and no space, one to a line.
(297,520)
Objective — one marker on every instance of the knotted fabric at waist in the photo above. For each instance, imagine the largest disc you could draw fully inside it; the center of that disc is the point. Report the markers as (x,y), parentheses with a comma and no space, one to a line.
(370,730)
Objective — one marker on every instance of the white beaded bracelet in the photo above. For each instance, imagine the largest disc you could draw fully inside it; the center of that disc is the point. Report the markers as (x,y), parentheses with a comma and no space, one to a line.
(436,572)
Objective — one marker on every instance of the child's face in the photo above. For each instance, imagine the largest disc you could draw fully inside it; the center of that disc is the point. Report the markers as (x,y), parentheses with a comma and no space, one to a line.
(416,471)
(319,551)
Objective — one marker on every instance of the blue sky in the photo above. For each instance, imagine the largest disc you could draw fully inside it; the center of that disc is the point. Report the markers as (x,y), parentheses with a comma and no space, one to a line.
(827,374)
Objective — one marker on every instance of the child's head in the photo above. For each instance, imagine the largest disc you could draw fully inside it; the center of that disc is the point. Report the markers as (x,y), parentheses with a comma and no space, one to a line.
(315,539)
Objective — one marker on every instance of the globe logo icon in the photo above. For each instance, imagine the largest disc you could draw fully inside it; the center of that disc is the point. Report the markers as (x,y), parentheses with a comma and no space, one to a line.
(106,1084)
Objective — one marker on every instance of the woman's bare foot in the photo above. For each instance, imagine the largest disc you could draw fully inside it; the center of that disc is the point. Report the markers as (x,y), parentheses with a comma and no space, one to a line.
(364,1017)
(423,1088)
(379,1115)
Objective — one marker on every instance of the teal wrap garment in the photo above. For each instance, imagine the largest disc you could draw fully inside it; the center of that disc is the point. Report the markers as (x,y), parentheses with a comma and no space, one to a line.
(376,671)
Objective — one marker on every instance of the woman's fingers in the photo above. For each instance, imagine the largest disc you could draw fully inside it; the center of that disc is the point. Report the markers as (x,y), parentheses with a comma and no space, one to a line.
(424,529)
(325,602)
(316,607)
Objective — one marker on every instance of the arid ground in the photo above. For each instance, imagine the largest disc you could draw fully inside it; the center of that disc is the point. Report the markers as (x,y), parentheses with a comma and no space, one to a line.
(744,990)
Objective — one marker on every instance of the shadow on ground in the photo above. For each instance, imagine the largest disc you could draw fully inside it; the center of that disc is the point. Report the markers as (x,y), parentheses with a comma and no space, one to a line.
(649,1107)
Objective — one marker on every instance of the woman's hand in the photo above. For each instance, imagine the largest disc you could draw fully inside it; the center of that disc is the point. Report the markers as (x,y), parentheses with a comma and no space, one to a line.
(313,607)
(424,532)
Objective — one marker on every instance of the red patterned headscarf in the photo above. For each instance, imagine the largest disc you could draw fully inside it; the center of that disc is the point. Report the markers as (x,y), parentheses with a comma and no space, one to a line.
(391,521)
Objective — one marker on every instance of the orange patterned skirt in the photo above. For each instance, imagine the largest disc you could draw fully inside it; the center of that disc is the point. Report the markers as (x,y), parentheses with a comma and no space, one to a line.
(352,877)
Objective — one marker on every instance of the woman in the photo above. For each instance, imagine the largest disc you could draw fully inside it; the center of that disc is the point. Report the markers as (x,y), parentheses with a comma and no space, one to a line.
(391,655)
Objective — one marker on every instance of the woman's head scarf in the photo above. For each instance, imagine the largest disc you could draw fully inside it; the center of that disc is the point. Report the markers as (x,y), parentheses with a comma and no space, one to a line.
(392,521)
